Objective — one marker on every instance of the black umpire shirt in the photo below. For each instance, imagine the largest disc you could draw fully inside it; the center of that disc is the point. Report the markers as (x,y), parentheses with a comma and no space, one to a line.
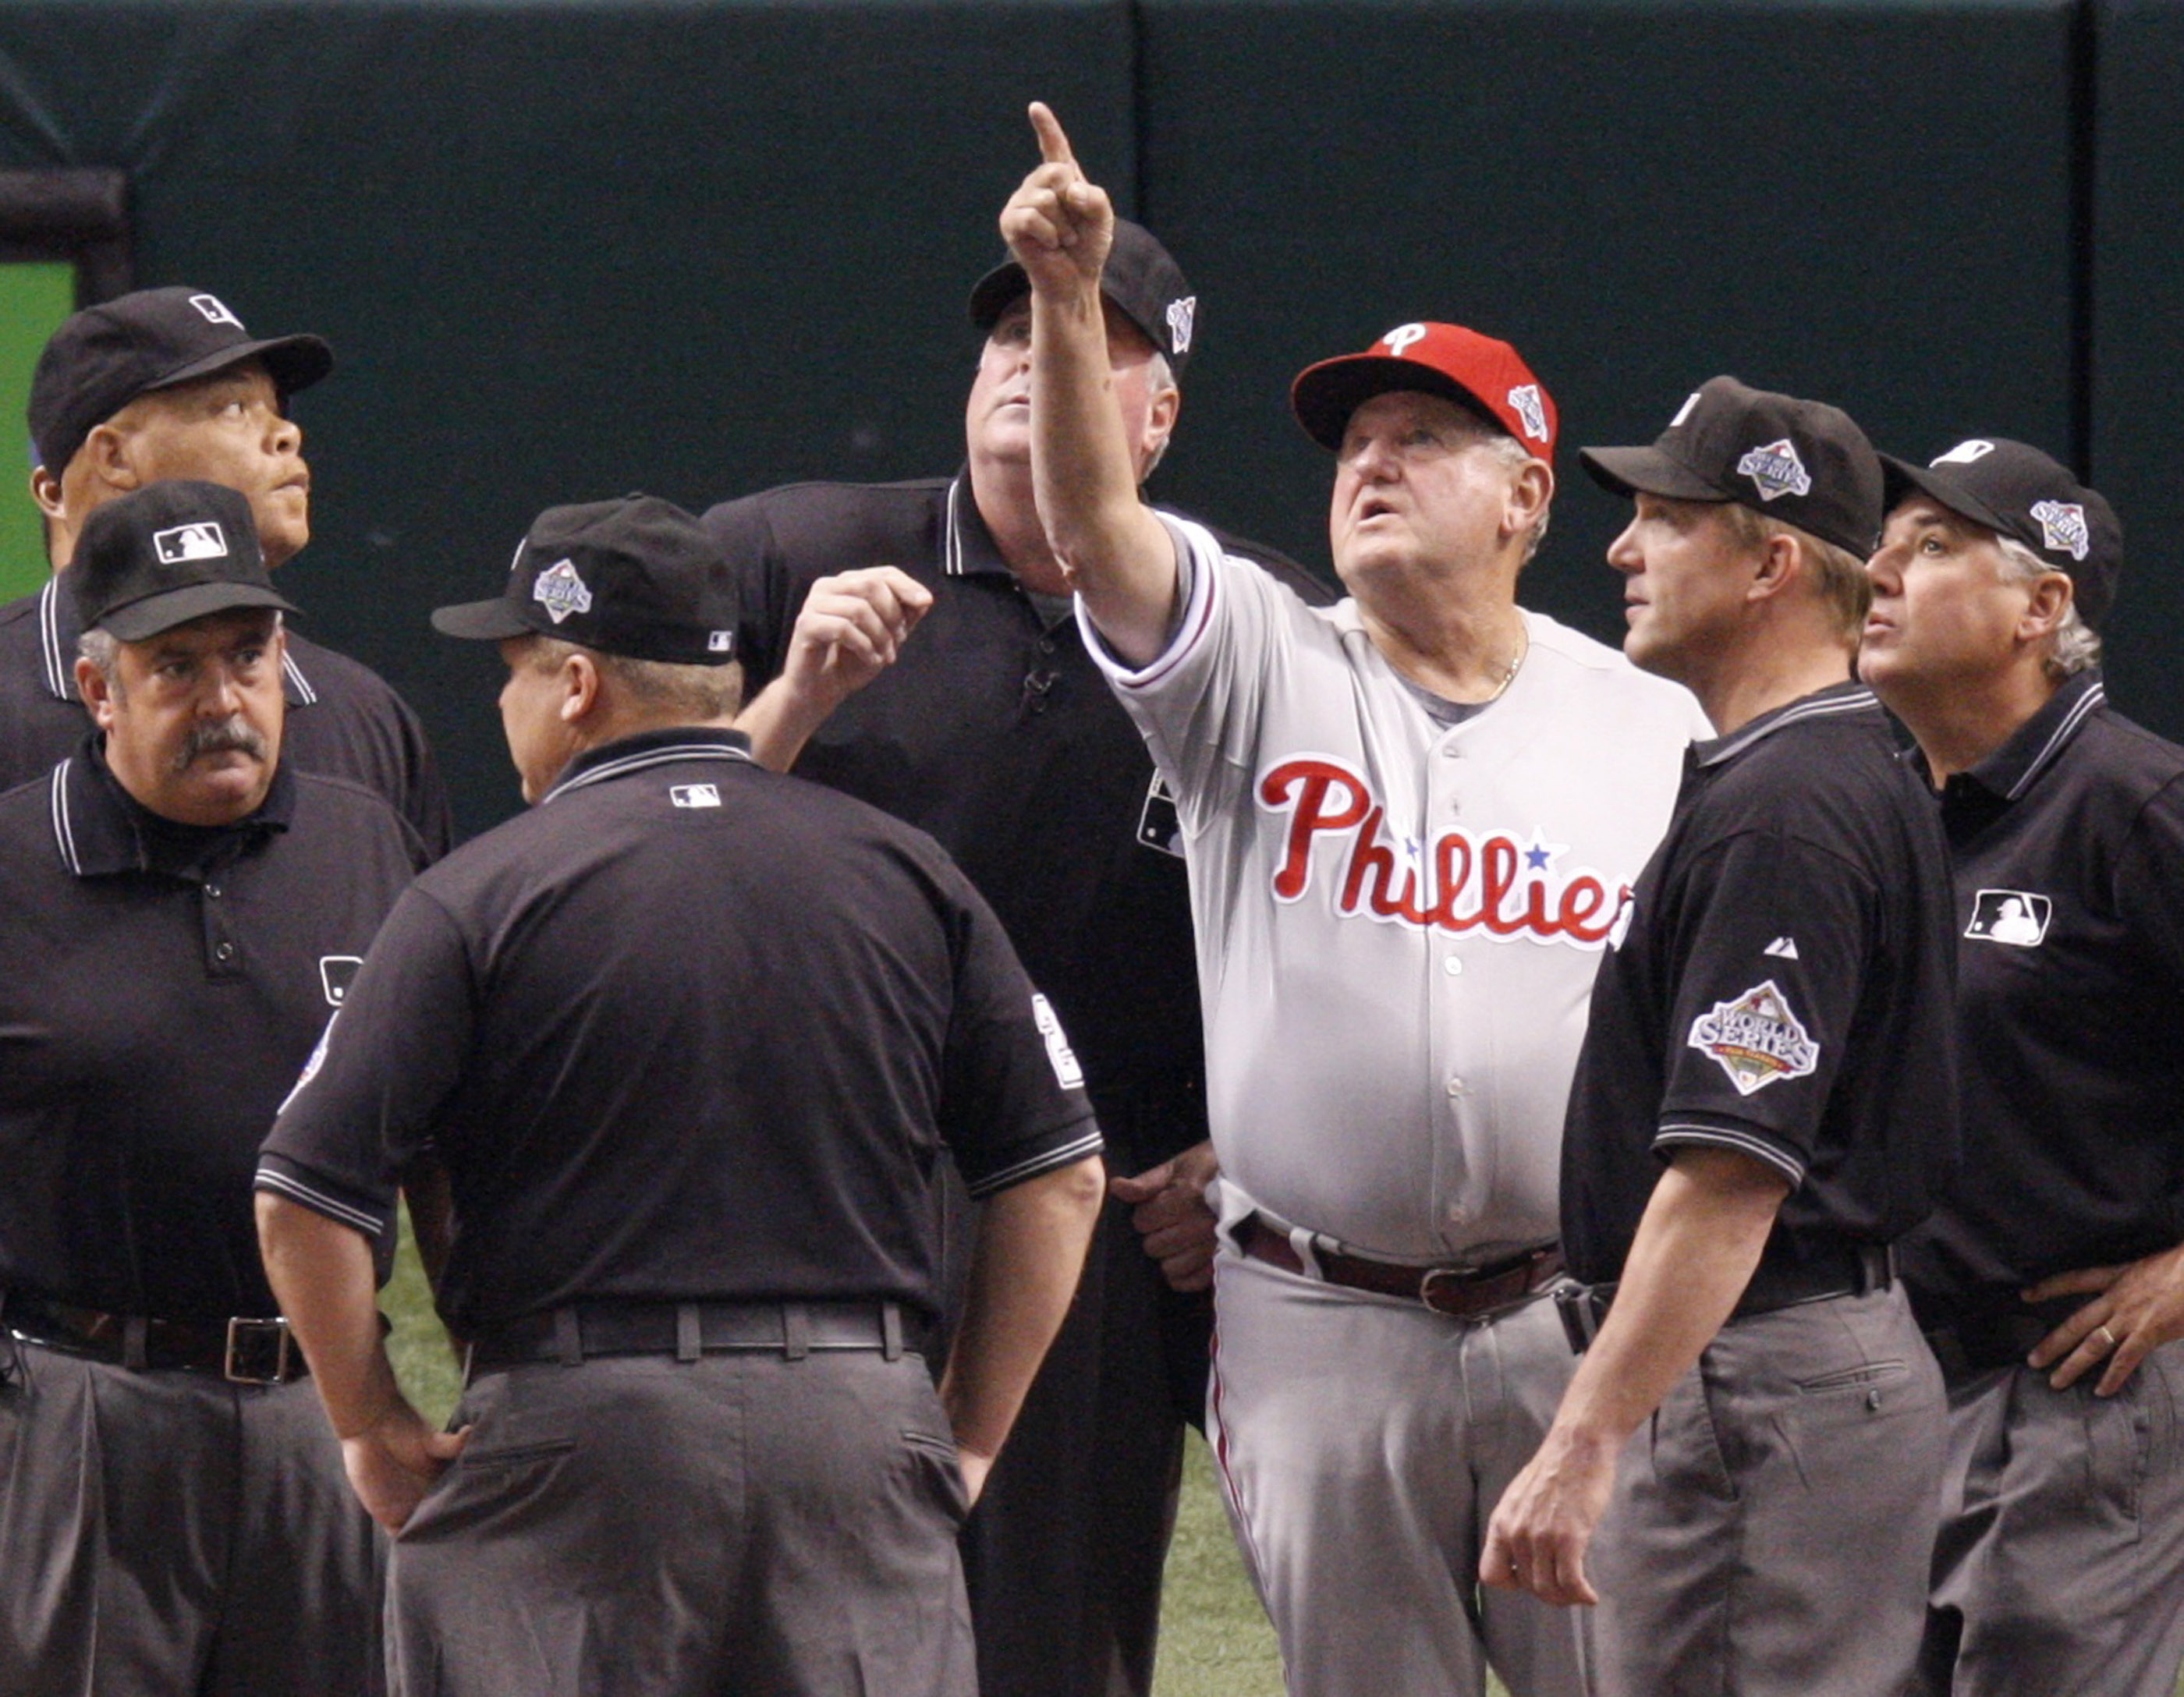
(343,720)
(1782,989)
(2067,844)
(994,732)
(686,1029)
(165,985)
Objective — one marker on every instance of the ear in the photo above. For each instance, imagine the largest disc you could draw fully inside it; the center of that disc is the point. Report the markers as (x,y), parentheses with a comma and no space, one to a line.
(46,491)
(580,686)
(1159,419)
(2047,602)
(1780,563)
(1530,490)
(97,692)
(107,456)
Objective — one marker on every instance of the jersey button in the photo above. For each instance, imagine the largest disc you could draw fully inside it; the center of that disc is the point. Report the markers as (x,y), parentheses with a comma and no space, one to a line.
(1457,1087)
(213,890)
(1453,966)
(223,952)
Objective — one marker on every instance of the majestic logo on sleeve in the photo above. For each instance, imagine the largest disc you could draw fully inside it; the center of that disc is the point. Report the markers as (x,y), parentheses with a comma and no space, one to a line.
(1756,1039)
(1775,469)
(1067,1072)
(1524,402)
(1489,882)
(2013,916)
(2063,524)
(560,591)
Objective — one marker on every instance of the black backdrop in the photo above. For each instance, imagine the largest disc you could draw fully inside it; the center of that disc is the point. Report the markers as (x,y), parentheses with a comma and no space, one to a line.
(565,250)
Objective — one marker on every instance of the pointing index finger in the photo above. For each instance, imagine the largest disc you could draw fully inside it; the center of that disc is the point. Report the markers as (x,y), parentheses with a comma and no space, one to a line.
(1053,144)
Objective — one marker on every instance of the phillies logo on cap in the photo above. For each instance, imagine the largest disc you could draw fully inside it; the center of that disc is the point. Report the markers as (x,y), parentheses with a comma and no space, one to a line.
(2062,523)
(1775,469)
(1180,313)
(204,540)
(1403,336)
(560,591)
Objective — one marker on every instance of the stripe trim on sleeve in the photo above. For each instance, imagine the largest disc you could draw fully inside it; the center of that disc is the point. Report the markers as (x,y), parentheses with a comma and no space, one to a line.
(1744,1143)
(318,1201)
(1046,1160)
(1198,610)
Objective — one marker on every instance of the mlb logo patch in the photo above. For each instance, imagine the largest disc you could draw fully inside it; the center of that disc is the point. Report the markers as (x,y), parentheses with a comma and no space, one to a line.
(1159,825)
(719,641)
(1524,402)
(204,540)
(2017,917)
(336,973)
(1775,469)
(2063,524)
(1964,453)
(560,591)
(1756,1039)
(214,311)
(695,795)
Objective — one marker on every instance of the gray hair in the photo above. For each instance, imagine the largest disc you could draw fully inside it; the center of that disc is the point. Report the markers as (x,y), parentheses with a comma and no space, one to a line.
(2074,646)
(693,693)
(1160,379)
(102,648)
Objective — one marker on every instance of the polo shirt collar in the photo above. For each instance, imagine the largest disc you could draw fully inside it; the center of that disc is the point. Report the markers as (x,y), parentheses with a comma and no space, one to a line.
(2036,745)
(100,829)
(59,631)
(1833,702)
(967,547)
(646,749)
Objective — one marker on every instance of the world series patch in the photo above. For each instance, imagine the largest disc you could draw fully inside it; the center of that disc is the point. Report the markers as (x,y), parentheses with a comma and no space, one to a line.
(1756,1039)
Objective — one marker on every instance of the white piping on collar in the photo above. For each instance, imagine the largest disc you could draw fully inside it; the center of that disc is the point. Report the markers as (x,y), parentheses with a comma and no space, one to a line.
(2062,733)
(64,828)
(1858,701)
(951,546)
(648,757)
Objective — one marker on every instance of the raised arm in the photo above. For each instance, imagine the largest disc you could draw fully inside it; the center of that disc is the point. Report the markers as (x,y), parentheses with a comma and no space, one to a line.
(1113,550)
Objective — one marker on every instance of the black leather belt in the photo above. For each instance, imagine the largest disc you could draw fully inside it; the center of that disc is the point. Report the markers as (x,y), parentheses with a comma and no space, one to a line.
(1843,1268)
(1460,1293)
(242,1351)
(1970,1347)
(687,1330)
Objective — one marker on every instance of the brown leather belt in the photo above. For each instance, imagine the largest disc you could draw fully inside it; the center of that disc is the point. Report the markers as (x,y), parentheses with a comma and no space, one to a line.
(242,1351)
(1460,1293)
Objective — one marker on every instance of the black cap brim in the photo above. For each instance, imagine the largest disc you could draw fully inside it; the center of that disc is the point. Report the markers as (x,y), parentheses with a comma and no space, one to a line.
(294,362)
(141,620)
(483,622)
(1646,471)
(1900,478)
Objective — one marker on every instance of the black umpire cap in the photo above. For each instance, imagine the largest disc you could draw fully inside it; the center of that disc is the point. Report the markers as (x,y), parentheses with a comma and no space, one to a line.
(1140,277)
(638,577)
(1801,461)
(165,554)
(102,358)
(2018,492)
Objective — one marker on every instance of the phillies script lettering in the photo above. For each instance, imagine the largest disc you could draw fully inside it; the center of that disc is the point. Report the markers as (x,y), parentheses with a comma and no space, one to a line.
(1491,882)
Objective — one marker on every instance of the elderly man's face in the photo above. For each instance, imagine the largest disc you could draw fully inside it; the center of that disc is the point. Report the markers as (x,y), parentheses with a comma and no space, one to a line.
(997,421)
(228,428)
(1944,614)
(1420,487)
(193,716)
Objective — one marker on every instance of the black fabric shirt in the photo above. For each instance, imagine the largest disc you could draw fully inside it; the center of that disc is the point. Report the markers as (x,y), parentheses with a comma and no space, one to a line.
(995,732)
(164,986)
(2067,845)
(686,1029)
(1782,989)
(344,720)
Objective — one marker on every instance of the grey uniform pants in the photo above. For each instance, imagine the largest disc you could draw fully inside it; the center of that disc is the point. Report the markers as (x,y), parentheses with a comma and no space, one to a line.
(2060,1564)
(1771,1526)
(741,1525)
(171,1533)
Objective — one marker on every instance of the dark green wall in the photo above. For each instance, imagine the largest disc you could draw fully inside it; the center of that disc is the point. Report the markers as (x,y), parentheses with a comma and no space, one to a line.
(566,250)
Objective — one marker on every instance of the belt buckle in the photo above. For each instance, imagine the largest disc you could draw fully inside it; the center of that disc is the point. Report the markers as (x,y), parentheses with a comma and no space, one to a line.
(249,1336)
(1437,1280)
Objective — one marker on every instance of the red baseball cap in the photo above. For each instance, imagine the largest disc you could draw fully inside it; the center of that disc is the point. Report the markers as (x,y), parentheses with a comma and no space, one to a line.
(1475,371)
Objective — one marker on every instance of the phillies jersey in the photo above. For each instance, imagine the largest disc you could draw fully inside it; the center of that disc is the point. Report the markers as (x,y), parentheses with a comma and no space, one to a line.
(1397,924)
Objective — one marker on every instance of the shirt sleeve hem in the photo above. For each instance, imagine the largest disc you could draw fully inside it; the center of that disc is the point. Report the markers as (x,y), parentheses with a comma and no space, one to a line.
(283,1178)
(1198,561)
(1684,1134)
(1047,1160)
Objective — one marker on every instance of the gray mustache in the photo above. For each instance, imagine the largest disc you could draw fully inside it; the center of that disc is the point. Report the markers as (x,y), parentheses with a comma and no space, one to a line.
(218,736)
